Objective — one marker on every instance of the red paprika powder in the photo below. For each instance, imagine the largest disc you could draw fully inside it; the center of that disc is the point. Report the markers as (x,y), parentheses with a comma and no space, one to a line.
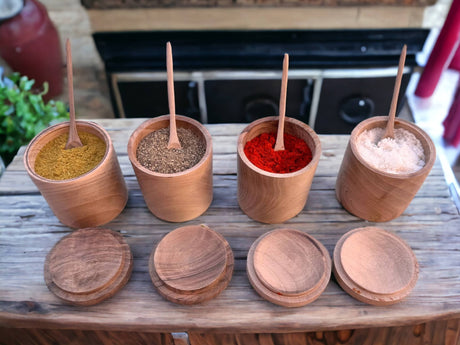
(260,151)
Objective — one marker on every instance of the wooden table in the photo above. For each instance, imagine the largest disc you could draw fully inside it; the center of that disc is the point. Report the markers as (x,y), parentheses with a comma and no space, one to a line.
(139,315)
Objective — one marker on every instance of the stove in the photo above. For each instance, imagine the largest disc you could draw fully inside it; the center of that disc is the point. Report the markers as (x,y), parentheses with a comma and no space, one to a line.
(337,78)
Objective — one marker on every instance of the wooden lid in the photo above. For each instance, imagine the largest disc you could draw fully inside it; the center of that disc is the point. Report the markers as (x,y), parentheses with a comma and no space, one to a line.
(288,267)
(191,264)
(190,258)
(375,266)
(88,266)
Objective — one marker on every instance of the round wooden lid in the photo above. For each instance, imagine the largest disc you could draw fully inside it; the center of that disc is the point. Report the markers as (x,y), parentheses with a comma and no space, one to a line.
(288,262)
(375,266)
(186,287)
(80,265)
(288,267)
(190,258)
(88,266)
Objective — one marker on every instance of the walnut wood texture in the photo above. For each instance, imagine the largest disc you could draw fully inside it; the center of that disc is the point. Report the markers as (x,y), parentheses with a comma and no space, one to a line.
(175,197)
(288,267)
(191,258)
(435,332)
(34,336)
(91,199)
(269,197)
(191,265)
(375,266)
(88,266)
(375,195)
(28,231)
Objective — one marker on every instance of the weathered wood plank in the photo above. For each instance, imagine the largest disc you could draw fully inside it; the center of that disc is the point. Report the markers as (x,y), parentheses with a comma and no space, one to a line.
(69,336)
(438,332)
(28,230)
(435,332)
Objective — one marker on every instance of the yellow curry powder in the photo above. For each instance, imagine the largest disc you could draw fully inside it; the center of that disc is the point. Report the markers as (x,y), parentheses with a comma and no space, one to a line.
(56,163)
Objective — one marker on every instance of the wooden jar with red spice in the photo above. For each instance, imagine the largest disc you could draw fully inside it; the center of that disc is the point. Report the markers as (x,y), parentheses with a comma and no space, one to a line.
(280,194)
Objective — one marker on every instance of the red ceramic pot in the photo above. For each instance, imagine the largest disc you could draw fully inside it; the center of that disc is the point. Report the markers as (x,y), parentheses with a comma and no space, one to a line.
(30,45)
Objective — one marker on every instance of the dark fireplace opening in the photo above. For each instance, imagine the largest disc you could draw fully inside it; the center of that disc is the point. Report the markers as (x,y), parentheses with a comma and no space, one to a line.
(336,78)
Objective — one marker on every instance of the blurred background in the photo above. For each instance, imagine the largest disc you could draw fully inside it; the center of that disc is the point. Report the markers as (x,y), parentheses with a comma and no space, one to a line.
(228,57)
(79,20)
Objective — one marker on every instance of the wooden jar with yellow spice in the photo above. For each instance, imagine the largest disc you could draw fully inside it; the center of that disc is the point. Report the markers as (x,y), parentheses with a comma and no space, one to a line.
(88,188)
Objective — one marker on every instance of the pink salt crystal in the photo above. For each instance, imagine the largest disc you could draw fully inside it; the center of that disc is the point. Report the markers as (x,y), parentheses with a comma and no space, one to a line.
(399,155)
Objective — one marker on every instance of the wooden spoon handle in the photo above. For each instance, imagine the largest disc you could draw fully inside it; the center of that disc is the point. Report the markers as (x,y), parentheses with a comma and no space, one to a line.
(389,131)
(73,140)
(174,142)
(279,145)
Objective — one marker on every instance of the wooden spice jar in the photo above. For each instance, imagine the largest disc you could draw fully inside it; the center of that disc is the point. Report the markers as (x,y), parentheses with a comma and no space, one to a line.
(372,194)
(89,200)
(272,197)
(175,197)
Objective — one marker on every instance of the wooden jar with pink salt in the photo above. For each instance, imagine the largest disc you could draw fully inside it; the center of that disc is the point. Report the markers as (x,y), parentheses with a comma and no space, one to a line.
(379,178)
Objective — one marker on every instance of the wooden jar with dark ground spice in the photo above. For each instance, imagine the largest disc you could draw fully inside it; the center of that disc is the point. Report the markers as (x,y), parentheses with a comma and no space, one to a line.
(91,199)
(169,195)
(270,197)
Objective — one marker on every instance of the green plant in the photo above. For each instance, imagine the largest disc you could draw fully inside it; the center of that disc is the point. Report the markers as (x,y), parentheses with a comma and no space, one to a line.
(24,113)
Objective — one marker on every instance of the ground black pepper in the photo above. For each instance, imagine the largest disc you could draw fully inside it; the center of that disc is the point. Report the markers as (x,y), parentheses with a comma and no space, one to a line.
(153,153)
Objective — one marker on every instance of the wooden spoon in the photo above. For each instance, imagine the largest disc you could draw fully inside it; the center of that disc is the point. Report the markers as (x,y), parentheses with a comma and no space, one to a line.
(73,140)
(279,144)
(174,142)
(389,130)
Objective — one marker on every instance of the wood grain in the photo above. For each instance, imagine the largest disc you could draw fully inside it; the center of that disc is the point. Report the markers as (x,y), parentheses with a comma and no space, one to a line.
(198,279)
(92,199)
(190,258)
(440,332)
(288,267)
(28,231)
(375,266)
(73,139)
(36,336)
(279,144)
(85,261)
(435,332)
(270,197)
(375,195)
(268,18)
(175,197)
(88,266)
(389,128)
(174,142)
